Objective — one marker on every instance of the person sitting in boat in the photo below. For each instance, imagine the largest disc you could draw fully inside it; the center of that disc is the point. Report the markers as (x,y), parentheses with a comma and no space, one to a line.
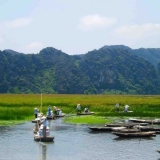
(36,112)
(58,111)
(40,132)
(117,107)
(78,108)
(55,110)
(86,110)
(126,108)
(49,111)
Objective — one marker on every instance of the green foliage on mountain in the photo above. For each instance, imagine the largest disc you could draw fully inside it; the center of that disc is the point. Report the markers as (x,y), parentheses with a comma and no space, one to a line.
(111,69)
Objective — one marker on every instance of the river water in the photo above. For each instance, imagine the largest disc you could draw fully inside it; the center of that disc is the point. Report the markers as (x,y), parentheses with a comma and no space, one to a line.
(74,142)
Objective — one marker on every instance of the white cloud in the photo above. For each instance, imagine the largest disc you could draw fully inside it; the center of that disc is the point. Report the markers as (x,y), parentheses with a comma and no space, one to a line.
(17,23)
(137,31)
(91,22)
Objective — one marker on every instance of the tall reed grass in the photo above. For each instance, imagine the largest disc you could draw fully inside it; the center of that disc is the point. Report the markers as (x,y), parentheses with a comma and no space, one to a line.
(21,106)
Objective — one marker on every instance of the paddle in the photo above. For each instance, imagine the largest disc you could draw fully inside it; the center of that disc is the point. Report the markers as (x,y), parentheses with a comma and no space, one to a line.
(73,110)
(69,114)
(111,110)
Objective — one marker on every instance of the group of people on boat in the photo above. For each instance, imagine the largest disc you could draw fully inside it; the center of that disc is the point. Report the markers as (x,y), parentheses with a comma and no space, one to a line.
(86,110)
(56,111)
(125,107)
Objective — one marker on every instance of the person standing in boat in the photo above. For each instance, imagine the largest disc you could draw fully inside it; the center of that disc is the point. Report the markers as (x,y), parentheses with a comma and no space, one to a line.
(117,107)
(126,108)
(78,108)
(36,112)
(49,111)
(44,127)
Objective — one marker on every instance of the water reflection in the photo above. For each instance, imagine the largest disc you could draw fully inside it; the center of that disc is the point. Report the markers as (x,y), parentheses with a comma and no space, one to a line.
(43,151)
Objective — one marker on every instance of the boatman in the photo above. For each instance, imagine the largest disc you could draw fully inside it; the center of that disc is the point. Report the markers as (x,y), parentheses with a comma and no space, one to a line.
(126,108)
(117,107)
(78,108)
(49,111)
(44,127)
(36,112)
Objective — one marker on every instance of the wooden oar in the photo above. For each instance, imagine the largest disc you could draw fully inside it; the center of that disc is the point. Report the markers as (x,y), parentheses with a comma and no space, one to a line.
(111,110)
(73,110)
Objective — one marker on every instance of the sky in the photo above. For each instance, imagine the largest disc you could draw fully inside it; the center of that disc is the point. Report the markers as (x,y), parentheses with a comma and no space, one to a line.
(78,26)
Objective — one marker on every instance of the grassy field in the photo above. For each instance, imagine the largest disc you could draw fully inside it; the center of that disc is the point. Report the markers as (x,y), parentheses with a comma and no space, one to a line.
(19,107)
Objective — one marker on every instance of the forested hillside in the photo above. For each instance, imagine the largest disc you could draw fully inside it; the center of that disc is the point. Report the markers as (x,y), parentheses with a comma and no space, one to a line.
(110,69)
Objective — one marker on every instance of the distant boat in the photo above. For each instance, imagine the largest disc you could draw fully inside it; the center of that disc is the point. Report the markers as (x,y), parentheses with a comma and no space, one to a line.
(145,121)
(113,125)
(125,130)
(128,125)
(87,113)
(136,134)
(149,128)
(103,128)
(44,139)
(40,137)
(37,120)
(51,116)
(60,115)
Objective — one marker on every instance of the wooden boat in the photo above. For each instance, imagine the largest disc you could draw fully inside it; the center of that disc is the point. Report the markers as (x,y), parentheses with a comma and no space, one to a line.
(50,117)
(60,115)
(103,128)
(136,134)
(44,139)
(148,128)
(37,120)
(87,113)
(113,125)
(145,121)
(125,130)
(39,136)
(128,125)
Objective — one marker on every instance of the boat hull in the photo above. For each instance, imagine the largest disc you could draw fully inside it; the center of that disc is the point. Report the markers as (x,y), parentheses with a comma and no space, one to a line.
(50,117)
(44,139)
(145,121)
(100,129)
(57,116)
(137,134)
(85,114)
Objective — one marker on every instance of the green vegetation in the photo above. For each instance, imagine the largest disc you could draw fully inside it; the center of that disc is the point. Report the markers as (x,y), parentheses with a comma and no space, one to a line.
(108,70)
(16,108)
